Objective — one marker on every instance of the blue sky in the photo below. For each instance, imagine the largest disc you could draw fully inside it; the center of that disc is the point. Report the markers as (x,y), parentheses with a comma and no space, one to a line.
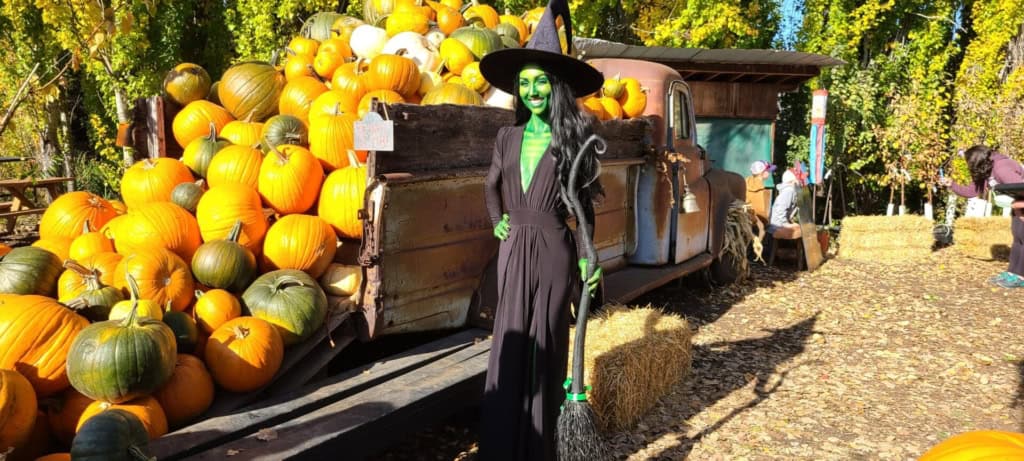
(792,16)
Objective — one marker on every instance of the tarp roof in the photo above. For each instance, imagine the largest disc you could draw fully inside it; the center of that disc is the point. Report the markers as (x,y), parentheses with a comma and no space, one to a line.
(733,64)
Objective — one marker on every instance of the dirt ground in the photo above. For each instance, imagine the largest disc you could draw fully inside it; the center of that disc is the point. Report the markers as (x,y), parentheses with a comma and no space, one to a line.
(855,361)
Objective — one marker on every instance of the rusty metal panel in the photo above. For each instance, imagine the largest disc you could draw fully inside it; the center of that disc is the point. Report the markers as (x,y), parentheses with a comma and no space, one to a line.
(614,231)
(692,228)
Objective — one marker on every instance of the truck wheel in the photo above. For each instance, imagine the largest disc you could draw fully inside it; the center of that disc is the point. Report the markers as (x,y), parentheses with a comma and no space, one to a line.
(725,270)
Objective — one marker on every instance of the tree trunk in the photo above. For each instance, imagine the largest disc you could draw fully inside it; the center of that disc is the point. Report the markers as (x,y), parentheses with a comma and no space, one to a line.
(124,115)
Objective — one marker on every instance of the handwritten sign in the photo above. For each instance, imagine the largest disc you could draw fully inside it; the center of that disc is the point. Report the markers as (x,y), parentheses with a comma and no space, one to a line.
(374,133)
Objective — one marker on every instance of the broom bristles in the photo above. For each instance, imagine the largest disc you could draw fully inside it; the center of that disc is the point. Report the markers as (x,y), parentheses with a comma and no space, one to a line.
(578,438)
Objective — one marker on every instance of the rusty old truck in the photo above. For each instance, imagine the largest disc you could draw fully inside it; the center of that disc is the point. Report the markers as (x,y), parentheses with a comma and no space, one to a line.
(428,258)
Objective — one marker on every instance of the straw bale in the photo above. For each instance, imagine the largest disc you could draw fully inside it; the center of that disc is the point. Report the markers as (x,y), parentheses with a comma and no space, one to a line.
(983,238)
(886,238)
(634,356)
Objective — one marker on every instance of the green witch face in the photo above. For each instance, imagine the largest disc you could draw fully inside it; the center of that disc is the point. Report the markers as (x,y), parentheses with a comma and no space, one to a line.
(535,89)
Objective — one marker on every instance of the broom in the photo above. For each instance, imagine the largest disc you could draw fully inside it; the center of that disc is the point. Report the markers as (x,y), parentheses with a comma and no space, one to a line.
(578,438)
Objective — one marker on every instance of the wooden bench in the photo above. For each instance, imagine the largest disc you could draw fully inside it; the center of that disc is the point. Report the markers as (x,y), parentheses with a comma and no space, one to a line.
(20,204)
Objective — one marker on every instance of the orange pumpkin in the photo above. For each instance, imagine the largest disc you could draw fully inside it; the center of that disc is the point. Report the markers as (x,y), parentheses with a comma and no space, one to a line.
(633,99)
(243,132)
(303,46)
(341,199)
(42,360)
(66,216)
(518,23)
(611,107)
(383,96)
(159,224)
(151,180)
(188,393)
(978,445)
(452,93)
(89,243)
(214,308)
(59,246)
(221,206)
(330,139)
(162,277)
(298,95)
(72,283)
(479,12)
(299,66)
(593,105)
(17,410)
(326,62)
(63,416)
(348,81)
(449,19)
(407,20)
(235,164)
(392,72)
(4,249)
(147,409)
(244,354)
(290,179)
(302,242)
(193,121)
(330,103)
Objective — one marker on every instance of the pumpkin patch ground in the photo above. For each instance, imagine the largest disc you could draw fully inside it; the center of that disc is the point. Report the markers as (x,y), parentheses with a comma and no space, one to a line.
(853,361)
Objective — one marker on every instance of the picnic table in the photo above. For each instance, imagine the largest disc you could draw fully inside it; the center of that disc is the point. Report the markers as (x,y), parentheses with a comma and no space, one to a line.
(19,203)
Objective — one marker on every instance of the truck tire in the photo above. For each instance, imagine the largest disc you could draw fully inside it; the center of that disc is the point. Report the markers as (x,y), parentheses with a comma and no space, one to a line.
(724,270)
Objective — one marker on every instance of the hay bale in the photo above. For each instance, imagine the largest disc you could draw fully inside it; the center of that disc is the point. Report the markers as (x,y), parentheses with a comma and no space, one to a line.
(983,238)
(634,356)
(886,238)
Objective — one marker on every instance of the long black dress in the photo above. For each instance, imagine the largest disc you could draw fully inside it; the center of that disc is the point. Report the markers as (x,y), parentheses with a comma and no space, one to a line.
(537,275)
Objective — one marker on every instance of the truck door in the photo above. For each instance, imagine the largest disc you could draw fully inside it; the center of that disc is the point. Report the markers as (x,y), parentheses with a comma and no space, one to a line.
(691,228)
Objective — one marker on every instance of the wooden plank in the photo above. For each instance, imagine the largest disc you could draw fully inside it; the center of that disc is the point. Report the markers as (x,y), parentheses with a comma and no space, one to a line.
(628,284)
(314,362)
(34,182)
(14,214)
(370,421)
(215,431)
(808,229)
(230,401)
(6,205)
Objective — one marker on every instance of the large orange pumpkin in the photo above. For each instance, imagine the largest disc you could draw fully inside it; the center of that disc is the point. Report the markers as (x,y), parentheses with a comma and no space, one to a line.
(251,89)
(290,179)
(17,410)
(64,414)
(60,246)
(392,72)
(341,199)
(147,409)
(330,139)
(215,308)
(633,99)
(242,132)
(452,93)
(244,354)
(71,283)
(221,206)
(383,96)
(91,241)
(187,82)
(188,393)
(302,242)
(35,335)
(66,216)
(235,164)
(978,445)
(162,277)
(151,180)
(303,46)
(298,95)
(297,66)
(193,121)
(348,85)
(159,224)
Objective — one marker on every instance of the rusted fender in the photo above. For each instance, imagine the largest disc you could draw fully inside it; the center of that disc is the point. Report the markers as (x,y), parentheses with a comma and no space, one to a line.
(726,187)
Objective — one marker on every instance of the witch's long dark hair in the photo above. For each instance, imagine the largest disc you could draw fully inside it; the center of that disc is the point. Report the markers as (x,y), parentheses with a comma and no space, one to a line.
(570,128)
(979,163)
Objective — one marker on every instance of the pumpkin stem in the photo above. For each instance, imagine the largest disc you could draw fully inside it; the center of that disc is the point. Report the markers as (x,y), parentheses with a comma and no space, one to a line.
(79,269)
(201,183)
(85,227)
(337,109)
(77,304)
(289,51)
(132,318)
(213,132)
(281,158)
(167,307)
(353,159)
(236,231)
(240,331)
(286,281)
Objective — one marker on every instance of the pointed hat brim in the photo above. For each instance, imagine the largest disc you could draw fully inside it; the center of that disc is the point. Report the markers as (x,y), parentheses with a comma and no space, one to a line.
(501,68)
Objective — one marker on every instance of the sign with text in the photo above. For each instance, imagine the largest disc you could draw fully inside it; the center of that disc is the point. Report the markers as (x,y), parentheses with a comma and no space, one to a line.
(374,133)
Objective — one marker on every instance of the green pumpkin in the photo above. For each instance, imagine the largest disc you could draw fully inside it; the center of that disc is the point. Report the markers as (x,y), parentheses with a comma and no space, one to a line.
(284,129)
(186,334)
(96,301)
(225,264)
(318,26)
(119,360)
(480,40)
(508,31)
(30,270)
(201,150)
(111,435)
(213,97)
(187,195)
(251,89)
(291,300)
(374,11)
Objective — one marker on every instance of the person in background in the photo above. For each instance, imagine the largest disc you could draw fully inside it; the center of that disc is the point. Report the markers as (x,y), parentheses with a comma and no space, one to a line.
(780,223)
(989,168)
(758,196)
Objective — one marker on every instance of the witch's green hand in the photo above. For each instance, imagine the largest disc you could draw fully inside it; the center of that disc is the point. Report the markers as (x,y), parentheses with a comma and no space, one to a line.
(501,229)
(594,279)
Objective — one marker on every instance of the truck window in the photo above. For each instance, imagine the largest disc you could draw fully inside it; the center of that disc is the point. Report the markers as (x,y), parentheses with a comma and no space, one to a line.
(679,105)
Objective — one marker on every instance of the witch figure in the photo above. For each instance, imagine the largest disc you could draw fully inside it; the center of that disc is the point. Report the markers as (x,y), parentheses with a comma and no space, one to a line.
(538,267)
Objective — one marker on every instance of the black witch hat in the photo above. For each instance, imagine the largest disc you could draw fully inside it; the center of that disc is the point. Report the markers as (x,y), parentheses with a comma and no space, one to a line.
(501,68)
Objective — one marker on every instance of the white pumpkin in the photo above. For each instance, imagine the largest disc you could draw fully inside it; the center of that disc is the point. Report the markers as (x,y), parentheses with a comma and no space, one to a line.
(497,98)
(367,41)
(416,48)
(434,37)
